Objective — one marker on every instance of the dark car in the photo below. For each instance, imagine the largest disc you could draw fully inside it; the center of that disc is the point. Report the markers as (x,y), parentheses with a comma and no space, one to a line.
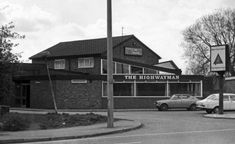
(177,101)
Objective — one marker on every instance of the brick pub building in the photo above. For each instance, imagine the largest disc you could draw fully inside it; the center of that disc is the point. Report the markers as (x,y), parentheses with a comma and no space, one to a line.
(78,71)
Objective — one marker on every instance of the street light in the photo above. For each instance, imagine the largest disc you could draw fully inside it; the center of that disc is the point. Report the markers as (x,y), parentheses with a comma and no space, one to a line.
(109,64)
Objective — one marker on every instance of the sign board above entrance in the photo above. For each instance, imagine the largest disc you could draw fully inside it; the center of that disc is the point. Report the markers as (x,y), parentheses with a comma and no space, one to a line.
(219,58)
(150,77)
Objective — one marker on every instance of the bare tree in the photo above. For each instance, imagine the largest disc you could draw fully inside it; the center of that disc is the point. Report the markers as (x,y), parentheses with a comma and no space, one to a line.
(213,29)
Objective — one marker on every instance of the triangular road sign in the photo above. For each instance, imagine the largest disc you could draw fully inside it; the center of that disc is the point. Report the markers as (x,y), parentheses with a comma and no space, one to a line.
(218,60)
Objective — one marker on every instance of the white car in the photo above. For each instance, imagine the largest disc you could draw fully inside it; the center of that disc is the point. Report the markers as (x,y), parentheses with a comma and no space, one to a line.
(211,103)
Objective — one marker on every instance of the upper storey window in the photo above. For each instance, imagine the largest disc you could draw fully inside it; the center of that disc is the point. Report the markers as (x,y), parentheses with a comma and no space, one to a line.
(59,64)
(86,62)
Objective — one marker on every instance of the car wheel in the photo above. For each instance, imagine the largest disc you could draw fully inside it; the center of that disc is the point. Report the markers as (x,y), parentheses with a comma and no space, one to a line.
(164,107)
(208,111)
(216,110)
(193,107)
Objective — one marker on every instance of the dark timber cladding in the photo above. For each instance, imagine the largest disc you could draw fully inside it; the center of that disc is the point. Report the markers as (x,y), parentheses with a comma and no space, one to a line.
(78,70)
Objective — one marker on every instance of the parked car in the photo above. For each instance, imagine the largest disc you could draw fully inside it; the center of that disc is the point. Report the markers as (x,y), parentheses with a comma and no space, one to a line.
(177,101)
(211,103)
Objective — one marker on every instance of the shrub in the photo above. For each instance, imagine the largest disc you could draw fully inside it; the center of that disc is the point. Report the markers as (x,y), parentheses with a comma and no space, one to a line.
(53,120)
(14,122)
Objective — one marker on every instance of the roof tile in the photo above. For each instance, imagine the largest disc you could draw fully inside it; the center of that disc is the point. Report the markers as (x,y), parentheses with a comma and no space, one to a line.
(81,47)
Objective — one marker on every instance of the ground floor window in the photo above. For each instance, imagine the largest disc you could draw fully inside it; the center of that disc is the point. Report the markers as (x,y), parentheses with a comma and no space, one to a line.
(151,89)
(154,89)
(185,88)
(120,89)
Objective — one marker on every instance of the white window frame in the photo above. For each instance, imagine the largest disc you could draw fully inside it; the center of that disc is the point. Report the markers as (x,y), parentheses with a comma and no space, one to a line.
(135,95)
(91,62)
(61,65)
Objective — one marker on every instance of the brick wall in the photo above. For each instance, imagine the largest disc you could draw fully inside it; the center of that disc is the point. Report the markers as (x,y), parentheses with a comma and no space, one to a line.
(132,103)
(40,94)
(67,94)
(74,95)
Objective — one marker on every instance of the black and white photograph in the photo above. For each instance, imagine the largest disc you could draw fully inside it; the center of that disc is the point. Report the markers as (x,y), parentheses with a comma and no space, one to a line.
(117,71)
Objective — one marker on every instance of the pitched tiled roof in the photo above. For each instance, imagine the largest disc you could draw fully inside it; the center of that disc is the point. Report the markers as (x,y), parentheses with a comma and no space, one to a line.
(81,47)
(167,64)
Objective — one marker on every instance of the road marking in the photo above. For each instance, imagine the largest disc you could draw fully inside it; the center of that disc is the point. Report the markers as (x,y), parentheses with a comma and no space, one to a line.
(130,143)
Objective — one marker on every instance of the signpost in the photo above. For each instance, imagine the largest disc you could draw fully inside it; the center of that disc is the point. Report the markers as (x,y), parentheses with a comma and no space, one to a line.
(219,64)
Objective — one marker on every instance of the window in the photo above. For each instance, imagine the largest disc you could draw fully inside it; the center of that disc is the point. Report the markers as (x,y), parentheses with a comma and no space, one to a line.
(149,71)
(151,89)
(123,89)
(136,70)
(104,67)
(226,98)
(193,89)
(59,64)
(184,97)
(122,68)
(175,97)
(232,97)
(85,62)
(120,89)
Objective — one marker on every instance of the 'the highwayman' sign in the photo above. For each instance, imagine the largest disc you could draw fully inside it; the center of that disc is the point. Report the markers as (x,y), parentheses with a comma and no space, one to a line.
(148,77)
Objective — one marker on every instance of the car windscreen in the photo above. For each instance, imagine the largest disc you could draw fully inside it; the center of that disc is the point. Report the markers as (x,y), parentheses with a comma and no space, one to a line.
(174,97)
(213,97)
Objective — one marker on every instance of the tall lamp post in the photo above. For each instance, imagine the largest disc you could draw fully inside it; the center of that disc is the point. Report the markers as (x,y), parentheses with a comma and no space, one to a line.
(109,64)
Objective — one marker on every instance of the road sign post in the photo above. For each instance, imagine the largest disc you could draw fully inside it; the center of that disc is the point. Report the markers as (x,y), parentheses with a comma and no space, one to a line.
(219,64)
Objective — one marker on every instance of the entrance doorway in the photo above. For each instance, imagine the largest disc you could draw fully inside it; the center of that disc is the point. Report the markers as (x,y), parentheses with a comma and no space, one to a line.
(22,98)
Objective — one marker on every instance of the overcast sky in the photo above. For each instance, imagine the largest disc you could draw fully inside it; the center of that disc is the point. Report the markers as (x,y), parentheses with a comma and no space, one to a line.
(157,23)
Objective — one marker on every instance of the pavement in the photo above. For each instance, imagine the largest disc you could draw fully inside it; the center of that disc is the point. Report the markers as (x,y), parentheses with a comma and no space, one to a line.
(221,116)
(66,133)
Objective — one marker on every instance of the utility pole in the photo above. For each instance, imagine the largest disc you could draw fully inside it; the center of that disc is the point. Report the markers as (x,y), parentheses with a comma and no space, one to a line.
(109,64)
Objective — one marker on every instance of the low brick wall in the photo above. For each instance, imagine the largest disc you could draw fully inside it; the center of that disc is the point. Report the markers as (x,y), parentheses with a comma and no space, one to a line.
(132,103)
(229,85)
